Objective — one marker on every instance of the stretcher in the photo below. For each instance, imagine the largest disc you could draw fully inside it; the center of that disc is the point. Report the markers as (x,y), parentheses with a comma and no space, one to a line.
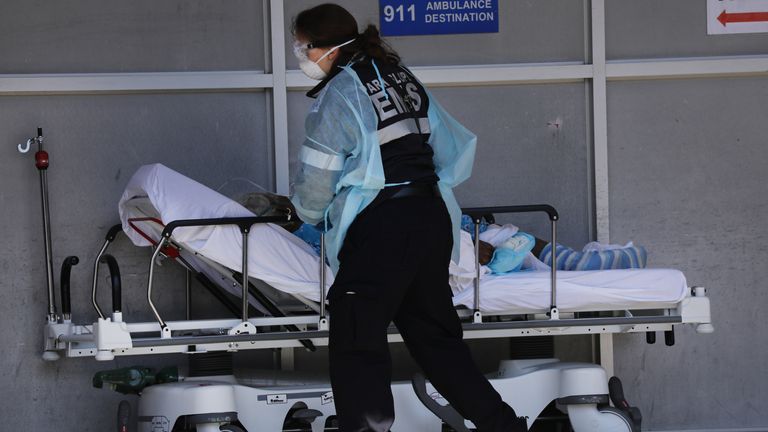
(280,306)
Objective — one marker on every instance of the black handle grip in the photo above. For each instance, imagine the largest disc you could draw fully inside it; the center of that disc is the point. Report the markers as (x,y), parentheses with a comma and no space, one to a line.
(650,337)
(66,271)
(114,275)
(112,233)
(669,337)
(480,212)
(244,223)
(39,132)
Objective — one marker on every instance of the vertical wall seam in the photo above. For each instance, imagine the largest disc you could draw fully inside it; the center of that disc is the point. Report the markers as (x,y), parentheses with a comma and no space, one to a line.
(600,143)
(588,123)
(269,108)
(279,96)
(600,121)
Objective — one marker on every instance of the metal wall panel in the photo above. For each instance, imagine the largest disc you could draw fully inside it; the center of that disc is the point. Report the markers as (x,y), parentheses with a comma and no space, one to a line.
(87,36)
(544,30)
(660,28)
(688,181)
(96,143)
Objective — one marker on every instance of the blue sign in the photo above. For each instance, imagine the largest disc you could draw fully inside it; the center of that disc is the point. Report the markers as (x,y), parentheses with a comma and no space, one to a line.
(425,17)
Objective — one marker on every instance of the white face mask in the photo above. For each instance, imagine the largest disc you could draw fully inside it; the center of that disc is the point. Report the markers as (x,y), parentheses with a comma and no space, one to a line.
(310,68)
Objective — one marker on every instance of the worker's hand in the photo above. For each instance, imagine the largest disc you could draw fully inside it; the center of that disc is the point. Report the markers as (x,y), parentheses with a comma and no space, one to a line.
(269,204)
(486,252)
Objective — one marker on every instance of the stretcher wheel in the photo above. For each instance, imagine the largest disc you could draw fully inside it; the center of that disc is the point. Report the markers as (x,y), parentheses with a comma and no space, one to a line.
(300,418)
(593,418)
(331,424)
(626,420)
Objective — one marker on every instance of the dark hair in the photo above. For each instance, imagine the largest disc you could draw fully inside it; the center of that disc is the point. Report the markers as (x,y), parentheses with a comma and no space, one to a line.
(329,25)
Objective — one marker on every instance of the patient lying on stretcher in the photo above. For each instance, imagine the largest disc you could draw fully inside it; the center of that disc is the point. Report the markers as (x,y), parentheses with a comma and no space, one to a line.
(503,248)
(284,261)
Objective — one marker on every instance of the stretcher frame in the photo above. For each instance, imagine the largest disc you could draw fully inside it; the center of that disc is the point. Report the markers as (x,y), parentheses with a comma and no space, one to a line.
(111,336)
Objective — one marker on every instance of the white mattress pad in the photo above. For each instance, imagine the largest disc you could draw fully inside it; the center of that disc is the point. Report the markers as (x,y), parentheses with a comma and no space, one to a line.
(595,290)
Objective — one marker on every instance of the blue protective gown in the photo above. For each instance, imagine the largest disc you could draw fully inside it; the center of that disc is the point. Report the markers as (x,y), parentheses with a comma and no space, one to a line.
(341,170)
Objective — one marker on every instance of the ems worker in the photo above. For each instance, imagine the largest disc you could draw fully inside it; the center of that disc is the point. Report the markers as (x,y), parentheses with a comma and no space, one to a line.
(377,167)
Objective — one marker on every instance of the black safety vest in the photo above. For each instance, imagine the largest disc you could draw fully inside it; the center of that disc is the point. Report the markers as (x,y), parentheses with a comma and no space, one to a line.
(401,105)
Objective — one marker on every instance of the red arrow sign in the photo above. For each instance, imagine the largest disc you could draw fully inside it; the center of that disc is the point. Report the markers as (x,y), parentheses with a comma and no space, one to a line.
(742,17)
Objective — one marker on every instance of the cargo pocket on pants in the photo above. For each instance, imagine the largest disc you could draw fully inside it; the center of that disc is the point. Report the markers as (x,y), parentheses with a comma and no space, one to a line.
(357,323)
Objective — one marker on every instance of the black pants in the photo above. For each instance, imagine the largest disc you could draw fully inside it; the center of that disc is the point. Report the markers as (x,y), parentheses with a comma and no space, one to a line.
(394,267)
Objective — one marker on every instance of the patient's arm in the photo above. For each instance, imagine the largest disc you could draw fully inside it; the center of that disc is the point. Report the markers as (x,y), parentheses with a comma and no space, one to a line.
(539,246)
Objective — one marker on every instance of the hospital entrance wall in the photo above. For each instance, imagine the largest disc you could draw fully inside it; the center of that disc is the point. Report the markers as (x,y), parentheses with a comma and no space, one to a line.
(700,211)
(687,179)
(96,142)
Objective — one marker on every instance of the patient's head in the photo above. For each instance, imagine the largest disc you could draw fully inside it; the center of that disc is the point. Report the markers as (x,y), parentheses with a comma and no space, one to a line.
(269,204)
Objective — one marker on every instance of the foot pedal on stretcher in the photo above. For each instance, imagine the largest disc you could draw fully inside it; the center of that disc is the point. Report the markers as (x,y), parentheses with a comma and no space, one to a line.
(446,413)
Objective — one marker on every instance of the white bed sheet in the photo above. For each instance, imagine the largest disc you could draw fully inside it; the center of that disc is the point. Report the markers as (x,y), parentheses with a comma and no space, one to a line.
(274,255)
(290,265)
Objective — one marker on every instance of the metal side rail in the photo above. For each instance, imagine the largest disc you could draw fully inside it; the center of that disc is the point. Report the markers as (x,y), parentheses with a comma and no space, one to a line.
(111,336)
(479,213)
(124,339)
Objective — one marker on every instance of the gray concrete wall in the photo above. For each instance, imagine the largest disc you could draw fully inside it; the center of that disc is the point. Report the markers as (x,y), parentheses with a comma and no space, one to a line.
(688,179)
(659,28)
(96,142)
(86,36)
